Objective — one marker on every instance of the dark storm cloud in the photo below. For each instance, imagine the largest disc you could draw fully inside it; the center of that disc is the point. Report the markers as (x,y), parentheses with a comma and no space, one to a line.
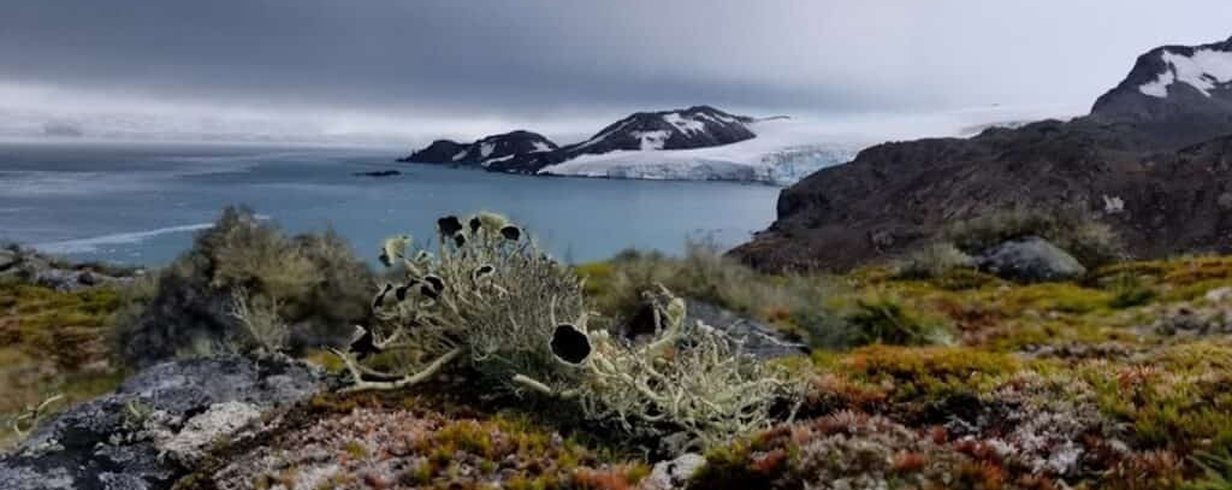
(430,55)
(536,58)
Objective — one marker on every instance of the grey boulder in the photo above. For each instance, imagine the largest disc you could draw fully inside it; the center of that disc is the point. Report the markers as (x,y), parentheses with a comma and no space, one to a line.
(149,432)
(1030,259)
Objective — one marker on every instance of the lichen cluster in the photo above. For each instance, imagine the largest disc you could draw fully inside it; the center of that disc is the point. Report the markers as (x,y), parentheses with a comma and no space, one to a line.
(485,299)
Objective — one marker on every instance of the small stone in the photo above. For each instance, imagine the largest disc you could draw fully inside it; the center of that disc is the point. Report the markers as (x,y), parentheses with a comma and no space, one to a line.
(676,473)
(220,422)
(1219,295)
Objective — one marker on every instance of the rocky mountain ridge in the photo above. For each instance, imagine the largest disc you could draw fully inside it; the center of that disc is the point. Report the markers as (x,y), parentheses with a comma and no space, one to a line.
(528,152)
(1153,160)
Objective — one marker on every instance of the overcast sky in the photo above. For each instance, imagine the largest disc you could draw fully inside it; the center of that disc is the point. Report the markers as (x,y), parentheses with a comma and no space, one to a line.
(469,66)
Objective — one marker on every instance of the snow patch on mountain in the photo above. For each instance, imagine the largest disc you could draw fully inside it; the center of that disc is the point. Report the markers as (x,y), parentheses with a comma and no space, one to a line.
(652,140)
(1203,71)
(684,124)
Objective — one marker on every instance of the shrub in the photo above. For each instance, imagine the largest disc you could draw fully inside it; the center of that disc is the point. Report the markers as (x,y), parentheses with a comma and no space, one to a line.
(886,321)
(797,303)
(932,261)
(486,298)
(1093,243)
(312,284)
(1129,291)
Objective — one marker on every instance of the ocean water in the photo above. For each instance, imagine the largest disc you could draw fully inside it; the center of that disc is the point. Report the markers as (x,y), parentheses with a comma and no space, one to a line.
(142,204)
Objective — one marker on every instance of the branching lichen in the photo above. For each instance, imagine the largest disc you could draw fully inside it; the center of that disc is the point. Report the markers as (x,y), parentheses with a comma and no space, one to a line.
(485,295)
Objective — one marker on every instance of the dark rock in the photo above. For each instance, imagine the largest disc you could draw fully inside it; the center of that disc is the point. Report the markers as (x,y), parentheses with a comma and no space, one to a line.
(1156,178)
(377,173)
(130,439)
(1031,259)
(517,151)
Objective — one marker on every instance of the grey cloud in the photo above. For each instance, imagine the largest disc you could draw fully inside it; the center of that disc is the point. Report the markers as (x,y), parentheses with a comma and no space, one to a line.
(537,59)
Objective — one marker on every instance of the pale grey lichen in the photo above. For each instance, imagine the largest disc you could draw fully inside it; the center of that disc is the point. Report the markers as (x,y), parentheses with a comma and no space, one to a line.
(490,298)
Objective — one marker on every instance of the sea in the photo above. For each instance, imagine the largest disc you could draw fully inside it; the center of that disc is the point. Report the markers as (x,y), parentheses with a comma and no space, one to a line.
(142,204)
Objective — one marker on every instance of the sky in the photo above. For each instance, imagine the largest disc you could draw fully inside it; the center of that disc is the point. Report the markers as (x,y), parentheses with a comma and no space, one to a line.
(385,70)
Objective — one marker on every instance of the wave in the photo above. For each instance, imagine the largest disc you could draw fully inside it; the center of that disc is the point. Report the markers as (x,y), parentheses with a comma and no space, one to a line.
(87,245)
(92,244)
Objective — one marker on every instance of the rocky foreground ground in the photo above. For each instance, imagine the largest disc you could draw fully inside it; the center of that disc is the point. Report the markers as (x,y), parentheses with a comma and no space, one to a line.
(1114,377)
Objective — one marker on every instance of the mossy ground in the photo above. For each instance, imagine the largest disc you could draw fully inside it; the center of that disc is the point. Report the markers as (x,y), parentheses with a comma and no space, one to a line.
(1101,382)
(53,343)
(1040,386)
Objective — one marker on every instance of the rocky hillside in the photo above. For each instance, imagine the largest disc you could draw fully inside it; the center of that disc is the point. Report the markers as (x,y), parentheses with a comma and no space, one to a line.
(527,152)
(517,151)
(1151,160)
(695,127)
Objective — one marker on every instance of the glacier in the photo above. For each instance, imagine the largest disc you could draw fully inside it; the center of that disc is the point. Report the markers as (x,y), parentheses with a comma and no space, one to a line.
(783,152)
(786,150)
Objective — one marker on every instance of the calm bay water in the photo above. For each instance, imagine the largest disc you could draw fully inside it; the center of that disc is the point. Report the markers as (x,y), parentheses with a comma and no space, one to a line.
(141,204)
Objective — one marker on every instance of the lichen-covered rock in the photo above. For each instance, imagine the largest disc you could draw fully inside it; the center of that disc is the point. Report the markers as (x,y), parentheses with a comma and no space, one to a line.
(119,441)
(1030,259)
(33,267)
(219,423)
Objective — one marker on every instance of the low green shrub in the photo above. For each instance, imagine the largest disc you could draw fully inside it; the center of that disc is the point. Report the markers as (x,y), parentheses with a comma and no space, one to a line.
(932,261)
(794,303)
(886,321)
(318,285)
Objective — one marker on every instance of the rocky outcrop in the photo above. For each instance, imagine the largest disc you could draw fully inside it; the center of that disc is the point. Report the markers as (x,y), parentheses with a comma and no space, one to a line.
(29,266)
(517,151)
(527,152)
(377,173)
(1163,181)
(1031,259)
(159,423)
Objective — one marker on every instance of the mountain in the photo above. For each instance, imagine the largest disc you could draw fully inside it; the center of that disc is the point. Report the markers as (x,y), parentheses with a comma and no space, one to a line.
(695,127)
(516,151)
(1153,160)
(527,152)
(1170,82)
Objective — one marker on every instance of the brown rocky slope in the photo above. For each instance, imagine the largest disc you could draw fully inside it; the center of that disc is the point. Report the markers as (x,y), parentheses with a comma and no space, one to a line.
(1163,182)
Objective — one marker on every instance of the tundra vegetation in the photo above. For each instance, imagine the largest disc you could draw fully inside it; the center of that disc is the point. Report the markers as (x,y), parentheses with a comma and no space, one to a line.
(482,361)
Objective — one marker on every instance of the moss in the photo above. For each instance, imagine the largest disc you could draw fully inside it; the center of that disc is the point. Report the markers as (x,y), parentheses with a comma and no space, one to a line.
(53,344)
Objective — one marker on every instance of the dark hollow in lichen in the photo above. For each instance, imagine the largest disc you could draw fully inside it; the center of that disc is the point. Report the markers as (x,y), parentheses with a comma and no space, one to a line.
(569,344)
(449,225)
(511,233)
(483,271)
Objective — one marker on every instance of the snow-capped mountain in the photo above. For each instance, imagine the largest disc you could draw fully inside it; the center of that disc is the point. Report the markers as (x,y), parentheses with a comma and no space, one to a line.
(780,151)
(1172,81)
(695,127)
(516,151)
